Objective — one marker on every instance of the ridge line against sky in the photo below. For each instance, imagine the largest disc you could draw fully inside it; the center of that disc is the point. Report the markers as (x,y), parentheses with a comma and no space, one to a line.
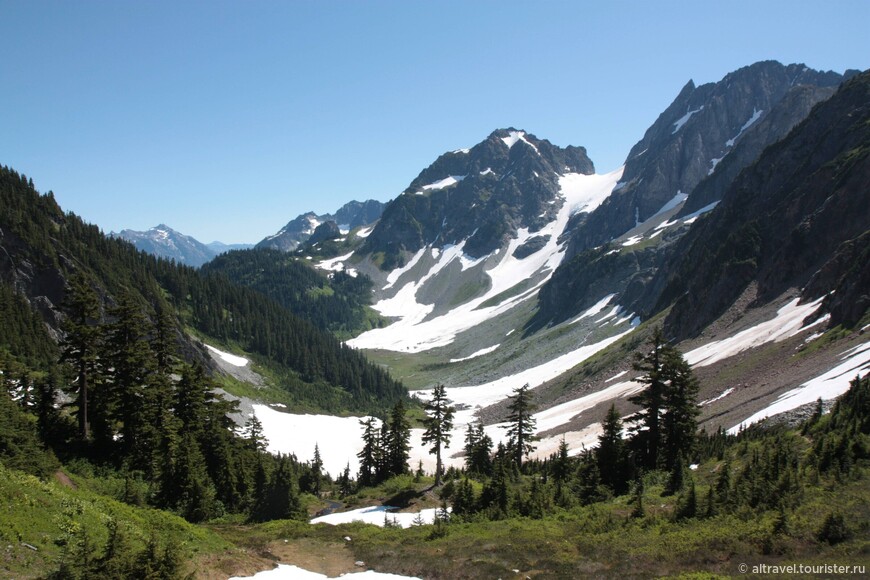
(225,120)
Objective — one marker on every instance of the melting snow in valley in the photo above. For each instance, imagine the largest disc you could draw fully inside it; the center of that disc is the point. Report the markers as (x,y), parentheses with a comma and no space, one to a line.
(339,439)
(376,515)
(286,572)
(413,333)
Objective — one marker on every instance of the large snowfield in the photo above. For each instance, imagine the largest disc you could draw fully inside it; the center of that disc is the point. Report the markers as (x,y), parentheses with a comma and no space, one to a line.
(339,439)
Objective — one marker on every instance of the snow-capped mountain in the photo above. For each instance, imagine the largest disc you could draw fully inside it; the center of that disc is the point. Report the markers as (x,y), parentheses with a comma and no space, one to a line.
(164,242)
(744,261)
(474,236)
(351,215)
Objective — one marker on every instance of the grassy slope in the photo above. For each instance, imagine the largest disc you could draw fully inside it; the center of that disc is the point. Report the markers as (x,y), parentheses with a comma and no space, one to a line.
(39,517)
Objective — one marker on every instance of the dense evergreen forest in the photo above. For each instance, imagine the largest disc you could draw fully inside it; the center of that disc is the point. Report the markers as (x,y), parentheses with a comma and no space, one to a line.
(337,302)
(43,247)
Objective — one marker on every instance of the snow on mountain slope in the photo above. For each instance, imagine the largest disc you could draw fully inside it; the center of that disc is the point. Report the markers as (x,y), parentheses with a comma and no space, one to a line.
(787,323)
(415,331)
(827,386)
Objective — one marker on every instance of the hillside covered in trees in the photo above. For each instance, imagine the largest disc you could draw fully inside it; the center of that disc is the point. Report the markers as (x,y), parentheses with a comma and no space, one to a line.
(337,302)
(43,247)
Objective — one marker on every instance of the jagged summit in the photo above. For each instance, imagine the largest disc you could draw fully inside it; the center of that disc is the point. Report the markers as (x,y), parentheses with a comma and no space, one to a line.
(702,127)
(480,196)
(351,215)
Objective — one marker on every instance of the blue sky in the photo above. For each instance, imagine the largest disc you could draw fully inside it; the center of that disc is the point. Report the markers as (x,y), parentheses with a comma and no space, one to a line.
(225,120)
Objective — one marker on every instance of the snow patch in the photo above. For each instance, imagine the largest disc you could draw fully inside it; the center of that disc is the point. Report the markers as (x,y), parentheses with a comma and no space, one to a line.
(376,515)
(487,171)
(683,120)
(756,114)
(829,385)
(587,192)
(236,361)
(338,439)
(446,182)
(722,395)
(289,572)
(334,264)
(595,308)
(515,137)
(679,198)
(633,240)
(786,324)
(394,275)
(713,163)
(481,352)
(690,219)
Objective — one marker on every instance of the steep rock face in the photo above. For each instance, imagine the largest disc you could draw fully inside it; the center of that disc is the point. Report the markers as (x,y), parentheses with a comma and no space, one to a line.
(696,132)
(294,233)
(783,117)
(328,230)
(803,207)
(481,195)
(164,242)
(349,216)
(355,214)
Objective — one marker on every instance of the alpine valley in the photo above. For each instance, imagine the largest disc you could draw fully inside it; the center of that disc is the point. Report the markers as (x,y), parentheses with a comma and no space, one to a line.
(514,289)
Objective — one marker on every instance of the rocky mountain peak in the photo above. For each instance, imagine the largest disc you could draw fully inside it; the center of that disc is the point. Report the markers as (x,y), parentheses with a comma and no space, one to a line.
(702,126)
(478,196)
(349,216)
(164,242)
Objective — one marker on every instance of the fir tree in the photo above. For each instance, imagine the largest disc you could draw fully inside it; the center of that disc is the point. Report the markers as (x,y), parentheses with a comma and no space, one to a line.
(521,427)
(679,420)
(646,423)
(398,444)
(131,364)
(368,455)
(478,448)
(438,424)
(665,426)
(81,345)
(610,453)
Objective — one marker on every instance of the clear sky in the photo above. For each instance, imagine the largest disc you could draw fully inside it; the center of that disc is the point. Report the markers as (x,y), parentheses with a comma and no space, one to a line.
(225,120)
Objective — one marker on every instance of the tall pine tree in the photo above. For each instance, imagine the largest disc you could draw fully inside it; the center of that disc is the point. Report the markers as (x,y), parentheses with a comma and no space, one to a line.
(521,427)
(438,423)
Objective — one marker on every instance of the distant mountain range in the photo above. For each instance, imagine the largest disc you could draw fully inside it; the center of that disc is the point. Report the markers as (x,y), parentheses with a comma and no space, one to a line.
(164,242)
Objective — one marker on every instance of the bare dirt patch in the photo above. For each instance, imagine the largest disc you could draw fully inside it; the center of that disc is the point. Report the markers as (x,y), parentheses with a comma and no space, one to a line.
(64,479)
(329,558)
